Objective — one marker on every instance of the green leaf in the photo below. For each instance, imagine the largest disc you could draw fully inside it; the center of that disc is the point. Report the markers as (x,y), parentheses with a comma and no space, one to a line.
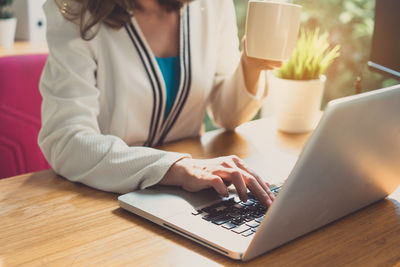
(310,58)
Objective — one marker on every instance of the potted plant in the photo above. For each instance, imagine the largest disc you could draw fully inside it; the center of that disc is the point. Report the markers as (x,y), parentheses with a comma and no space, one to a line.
(297,87)
(8,25)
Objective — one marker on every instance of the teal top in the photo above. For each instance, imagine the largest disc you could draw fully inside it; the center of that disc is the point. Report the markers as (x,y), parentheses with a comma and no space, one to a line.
(170,69)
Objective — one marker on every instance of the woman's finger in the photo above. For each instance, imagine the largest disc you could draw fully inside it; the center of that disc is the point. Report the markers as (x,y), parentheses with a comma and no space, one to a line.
(236,178)
(274,63)
(253,184)
(263,63)
(259,192)
(264,186)
(240,164)
(240,185)
(218,184)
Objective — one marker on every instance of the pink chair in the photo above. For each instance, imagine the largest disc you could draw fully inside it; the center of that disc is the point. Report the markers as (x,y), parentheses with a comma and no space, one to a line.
(20,121)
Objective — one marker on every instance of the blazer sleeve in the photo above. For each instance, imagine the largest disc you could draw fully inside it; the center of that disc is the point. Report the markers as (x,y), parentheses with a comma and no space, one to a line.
(231,103)
(70,137)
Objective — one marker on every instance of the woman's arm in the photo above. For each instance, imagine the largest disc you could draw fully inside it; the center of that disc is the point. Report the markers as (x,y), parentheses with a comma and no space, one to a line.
(239,89)
(70,137)
(252,69)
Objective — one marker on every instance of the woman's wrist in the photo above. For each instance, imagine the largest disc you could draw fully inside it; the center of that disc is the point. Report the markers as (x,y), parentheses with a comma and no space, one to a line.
(252,68)
(251,74)
(174,175)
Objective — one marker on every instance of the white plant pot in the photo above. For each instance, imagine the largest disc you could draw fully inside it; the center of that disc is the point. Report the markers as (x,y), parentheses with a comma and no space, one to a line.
(7,32)
(296,104)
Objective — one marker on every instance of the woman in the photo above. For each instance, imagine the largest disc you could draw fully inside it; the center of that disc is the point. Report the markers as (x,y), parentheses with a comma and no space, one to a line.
(123,76)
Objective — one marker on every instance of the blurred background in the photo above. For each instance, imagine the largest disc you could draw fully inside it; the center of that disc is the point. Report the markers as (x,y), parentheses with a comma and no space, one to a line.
(350,24)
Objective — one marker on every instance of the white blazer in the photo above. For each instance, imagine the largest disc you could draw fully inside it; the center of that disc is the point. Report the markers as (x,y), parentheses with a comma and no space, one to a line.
(104,99)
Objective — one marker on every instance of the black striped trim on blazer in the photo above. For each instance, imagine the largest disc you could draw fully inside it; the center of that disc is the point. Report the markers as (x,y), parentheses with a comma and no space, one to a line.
(154,81)
(185,82)
(159,127)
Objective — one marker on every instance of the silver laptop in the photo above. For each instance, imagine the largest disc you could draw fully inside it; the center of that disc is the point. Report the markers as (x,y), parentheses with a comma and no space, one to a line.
(351,160)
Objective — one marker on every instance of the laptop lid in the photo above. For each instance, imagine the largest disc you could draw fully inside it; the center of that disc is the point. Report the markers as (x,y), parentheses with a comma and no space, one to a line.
(351,160)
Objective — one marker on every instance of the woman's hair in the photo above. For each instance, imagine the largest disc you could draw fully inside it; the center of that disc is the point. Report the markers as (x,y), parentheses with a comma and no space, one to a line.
(113,13)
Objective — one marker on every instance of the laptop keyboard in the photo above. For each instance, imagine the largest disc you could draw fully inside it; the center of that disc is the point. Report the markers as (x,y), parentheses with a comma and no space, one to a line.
(240,217)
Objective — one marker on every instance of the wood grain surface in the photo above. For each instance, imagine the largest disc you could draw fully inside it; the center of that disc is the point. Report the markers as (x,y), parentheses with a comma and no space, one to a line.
(24,48)
(46,220)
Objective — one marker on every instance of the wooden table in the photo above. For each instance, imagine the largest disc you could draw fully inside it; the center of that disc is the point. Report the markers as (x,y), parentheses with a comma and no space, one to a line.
(46,220)
(24,48)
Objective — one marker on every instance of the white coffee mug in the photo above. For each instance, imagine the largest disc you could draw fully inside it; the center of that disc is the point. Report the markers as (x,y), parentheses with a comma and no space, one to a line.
(272,28)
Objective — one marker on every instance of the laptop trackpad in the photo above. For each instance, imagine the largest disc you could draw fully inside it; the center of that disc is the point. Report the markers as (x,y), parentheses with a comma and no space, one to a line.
(167,201)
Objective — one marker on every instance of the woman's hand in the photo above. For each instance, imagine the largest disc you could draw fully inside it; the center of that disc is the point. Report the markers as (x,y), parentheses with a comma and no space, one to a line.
(197,174)
(252,68)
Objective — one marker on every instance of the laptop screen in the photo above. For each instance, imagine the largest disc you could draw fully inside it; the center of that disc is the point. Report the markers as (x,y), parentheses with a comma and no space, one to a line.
(385,47)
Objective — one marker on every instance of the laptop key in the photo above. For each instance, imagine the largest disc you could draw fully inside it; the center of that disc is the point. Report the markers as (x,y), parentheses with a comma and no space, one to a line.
(248,203)
(247,233)
(259,219)
(229,202)
(207,217)
(248,216)
(197,212)
(220,220)
(253,224)
(229,225)
(213,216)
(238,206)
(241,229)
(236,199)
(238,221)
(213,208)
(234,214)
